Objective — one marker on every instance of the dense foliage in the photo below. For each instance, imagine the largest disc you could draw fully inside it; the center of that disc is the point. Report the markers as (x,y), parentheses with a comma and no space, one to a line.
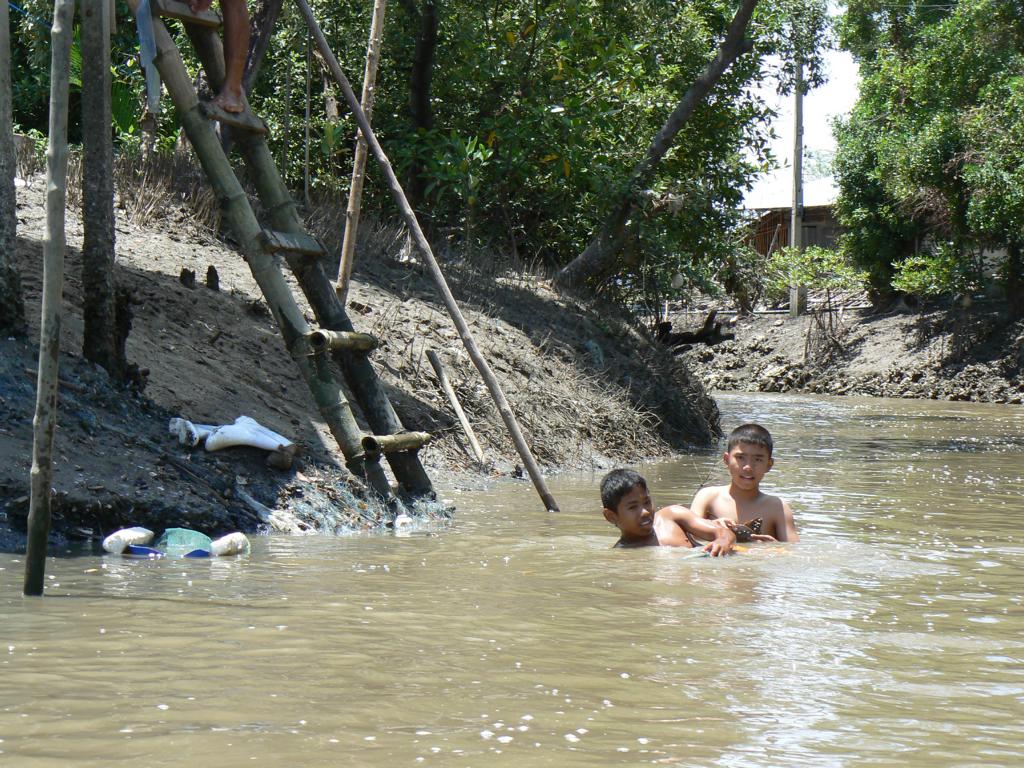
(529,122)
(931,161)
(823,268)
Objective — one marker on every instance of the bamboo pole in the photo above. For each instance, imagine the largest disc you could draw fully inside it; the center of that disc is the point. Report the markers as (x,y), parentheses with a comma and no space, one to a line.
(334,408)
(53,285)
(330,314)
(355,194)
(405,441)
(321,340)
(435,270)
(309,107)
(446,386)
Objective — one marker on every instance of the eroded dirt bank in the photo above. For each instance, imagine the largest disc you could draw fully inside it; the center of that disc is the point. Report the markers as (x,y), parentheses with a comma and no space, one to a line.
(952,353)
(588,390)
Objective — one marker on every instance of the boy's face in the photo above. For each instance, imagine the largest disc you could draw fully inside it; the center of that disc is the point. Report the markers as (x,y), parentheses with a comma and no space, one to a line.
(634,515)
(747,464)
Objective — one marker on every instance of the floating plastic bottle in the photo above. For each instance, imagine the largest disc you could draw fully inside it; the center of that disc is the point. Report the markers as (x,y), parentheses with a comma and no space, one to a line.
(118,541)
(232,544)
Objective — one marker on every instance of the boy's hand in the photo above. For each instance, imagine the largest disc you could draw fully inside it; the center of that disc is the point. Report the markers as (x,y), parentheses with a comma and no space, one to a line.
(762,537)
(723,543)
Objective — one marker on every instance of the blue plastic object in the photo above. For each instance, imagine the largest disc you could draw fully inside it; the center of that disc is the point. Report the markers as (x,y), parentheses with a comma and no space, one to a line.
(134,550)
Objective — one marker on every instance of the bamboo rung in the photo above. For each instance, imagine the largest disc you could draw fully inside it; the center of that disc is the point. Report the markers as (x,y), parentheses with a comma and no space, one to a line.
(291,242)
(375,445)
(323,340)
(173,9)
(243,121)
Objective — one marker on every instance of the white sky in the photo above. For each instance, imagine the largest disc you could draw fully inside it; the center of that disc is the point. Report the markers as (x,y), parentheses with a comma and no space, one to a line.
(836,97)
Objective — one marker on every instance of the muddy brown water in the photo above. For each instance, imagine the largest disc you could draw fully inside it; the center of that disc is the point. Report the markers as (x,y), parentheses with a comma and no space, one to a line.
(893,634)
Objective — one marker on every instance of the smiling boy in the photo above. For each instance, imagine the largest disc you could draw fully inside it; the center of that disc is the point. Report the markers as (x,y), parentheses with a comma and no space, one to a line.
(628,506)
(748,457)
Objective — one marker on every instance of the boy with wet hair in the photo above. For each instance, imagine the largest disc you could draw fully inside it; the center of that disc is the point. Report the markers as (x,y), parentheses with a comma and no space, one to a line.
(628,506)
(748,457)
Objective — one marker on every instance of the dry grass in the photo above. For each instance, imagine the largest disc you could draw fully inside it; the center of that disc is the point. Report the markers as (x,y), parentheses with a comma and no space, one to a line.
(147,189)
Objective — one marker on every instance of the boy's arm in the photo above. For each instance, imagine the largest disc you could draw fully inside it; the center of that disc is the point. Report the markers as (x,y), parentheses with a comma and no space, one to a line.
(785,530)
(722,539)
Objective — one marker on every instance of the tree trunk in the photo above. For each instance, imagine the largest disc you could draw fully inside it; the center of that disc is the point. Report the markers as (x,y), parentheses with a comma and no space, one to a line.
(355,193)
(422,74)
(99,343)
(420,80)
(600,256)
(264,18)
(12,304)
(53,284)
(331,114)
(1015,280)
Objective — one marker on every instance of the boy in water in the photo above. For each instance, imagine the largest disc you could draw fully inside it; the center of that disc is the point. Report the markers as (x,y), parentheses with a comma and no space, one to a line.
(628,506)
(748,457)
(236,48)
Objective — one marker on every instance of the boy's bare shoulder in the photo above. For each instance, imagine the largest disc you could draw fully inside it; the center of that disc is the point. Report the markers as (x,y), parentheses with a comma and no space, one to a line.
(709,492)
(772,503)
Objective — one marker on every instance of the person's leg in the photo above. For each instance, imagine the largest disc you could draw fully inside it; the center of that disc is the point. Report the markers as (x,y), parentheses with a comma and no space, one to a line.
(236,48)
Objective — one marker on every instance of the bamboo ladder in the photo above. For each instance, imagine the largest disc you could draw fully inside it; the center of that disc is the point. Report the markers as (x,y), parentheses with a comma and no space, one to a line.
(285,237)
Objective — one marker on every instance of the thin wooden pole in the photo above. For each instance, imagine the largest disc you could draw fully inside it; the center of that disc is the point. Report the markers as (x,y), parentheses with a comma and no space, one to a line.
(435,270)
(309,108)
(53,286)
(797,292)
(355,194)
(446,385)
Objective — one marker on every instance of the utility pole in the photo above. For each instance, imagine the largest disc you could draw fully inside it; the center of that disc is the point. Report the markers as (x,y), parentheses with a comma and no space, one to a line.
(797,293)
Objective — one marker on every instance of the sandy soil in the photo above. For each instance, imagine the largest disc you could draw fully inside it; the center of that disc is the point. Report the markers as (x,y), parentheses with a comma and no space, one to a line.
(588,390)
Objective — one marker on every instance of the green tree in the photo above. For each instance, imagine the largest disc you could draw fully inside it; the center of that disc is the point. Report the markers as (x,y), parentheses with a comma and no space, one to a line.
(525,120)
(930,158)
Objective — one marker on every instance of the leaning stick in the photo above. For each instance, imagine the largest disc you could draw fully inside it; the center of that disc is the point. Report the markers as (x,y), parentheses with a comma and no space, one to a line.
(446,385)
(53,285)
(435,270)
(355,194)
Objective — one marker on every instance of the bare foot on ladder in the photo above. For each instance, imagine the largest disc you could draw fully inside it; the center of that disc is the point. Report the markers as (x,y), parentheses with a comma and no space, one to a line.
(236,47)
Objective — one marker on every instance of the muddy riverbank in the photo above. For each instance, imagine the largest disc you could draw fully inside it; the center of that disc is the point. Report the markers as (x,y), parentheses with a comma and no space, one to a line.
(588,389)
(973,353)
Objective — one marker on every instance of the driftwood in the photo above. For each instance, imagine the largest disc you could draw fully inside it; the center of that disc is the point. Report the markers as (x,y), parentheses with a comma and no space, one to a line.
(355,195)
(423,247)
(710,333)
(53,284)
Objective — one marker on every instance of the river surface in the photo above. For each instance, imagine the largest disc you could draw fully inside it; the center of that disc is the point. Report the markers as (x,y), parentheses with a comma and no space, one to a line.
(891,635)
